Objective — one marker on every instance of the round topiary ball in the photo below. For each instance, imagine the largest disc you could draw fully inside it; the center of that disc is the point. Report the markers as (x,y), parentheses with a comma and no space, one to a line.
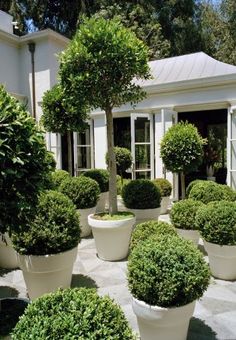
(183,214)
(217,222)
(206,191)
(83,191)
(58,176)
(164,185)
(229,193)
(169,273)
(123,159)
(73,314)
(101,176)
(191,184)
(141,194)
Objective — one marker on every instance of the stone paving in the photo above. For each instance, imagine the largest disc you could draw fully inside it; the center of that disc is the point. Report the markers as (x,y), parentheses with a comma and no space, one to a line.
(214,316)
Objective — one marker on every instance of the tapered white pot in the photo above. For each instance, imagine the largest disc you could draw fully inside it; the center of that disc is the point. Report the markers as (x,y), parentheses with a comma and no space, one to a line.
(85,227)
(165,203)
(103,199)
(112,237)
(46,273)
(222,260)
(8,258)
(143,215)
(192,235)
(162,323)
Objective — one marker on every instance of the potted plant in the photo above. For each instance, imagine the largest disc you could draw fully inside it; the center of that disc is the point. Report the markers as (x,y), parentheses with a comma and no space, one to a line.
(101,176)
(183,218)
(47,246)
(191,184)
(165,279)
(217,224)
(58,176)
(78,313)
(84,193)
(207,191)
(142,197)
(165,188)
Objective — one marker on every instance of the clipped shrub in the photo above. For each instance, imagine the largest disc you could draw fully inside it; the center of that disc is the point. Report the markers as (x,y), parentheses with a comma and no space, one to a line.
(58,176)
(54,229)
(183,214)
(191,184)
(164,185)
(141,194)
(217,222)
(148,229)
(170,272)
(123,159)
(206,191)
(101,176)
(83,191)
(229,193)
(73,314)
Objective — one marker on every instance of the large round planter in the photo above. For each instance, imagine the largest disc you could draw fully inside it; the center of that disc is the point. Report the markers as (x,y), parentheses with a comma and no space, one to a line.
(103,199)
(165,203)
(112,237)
(143,215)
(46,273)
(162,323)
(85,227)
(192,235)
(8,258)
(222,260)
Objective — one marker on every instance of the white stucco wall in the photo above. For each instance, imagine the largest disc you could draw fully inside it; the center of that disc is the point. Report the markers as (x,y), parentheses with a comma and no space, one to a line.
(100,141)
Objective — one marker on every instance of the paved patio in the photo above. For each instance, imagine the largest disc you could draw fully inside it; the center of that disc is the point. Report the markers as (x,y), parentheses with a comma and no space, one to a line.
(214,316)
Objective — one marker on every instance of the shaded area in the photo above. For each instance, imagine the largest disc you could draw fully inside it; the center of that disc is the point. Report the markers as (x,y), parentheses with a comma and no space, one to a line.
(79,280)
(6,291)
(198,330)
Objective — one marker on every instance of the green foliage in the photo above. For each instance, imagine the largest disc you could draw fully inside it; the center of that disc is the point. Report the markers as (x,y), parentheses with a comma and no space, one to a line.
(121,183)
(83,191)
(170,272)
(58,176)
(145,230)
(164,185)
(73,314)
(54,229)
(25,164)
(229,193)
(217,222)
(141,194)
(183,214)
(123,159)
(182,148)
(191,184)
(101,176)
(207,191)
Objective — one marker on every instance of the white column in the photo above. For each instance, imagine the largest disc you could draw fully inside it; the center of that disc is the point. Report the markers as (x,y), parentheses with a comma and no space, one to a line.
(100,141)
(231,147)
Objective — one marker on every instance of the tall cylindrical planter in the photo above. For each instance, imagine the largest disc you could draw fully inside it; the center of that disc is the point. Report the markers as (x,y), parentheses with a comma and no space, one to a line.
(46,273)
(162,323)
(8,258)
(165,203)
(192,235)
(103,199)
(143,215)
(85,227)
(222,260)
(112,237)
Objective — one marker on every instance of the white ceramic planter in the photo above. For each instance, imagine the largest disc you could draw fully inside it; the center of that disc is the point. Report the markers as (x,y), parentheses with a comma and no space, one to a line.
(165,203)
(103,200)
(8,258)
(192,235)
(143,215)
(222,260)
(162,323)
(112,237)
(46,273)
(85,227)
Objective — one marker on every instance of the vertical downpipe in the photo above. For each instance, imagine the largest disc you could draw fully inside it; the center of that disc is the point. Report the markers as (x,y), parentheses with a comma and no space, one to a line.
(31,47)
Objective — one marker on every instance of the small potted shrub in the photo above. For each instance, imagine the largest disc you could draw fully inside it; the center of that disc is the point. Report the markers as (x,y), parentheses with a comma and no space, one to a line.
(165,279)
(58,176)
(183,218)
(73,314)
(47,246)
(217,224)
(165,188)
(142,197)
(229,193)
(191,184)
(101,176)
(207,191)
(84,193)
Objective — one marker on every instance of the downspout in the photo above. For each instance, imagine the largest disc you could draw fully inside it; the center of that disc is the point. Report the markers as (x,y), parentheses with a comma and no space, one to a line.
(31,47)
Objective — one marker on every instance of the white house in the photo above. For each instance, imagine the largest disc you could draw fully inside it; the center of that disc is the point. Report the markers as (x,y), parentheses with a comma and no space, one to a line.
(192,87)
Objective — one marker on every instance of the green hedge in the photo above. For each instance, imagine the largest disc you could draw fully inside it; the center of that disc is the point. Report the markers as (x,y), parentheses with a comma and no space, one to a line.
(183,214)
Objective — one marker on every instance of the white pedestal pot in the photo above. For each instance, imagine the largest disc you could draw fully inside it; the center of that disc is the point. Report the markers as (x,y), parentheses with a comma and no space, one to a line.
(162,323)
(222,260)
(85,227)
(103,199)
(143,215)
(192,235)
(46,273)
(112,237)
(8,258)
(165,202)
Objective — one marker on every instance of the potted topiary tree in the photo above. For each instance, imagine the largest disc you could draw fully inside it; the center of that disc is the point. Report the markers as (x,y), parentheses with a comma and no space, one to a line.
(47,246)
(165,278)
(84,193)
(101,176)
(182,150)
(217,224)
(142,197)
(73,314)
(183,218)
(165,188)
